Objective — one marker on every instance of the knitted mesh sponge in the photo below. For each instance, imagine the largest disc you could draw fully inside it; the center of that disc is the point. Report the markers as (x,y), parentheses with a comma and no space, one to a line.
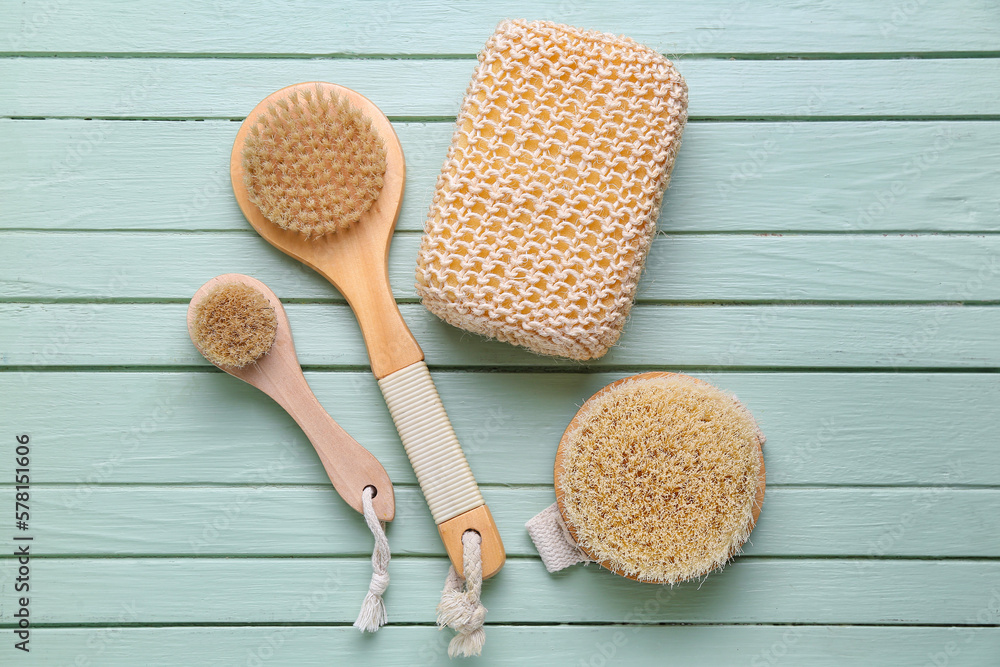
(548,198)
(660,477)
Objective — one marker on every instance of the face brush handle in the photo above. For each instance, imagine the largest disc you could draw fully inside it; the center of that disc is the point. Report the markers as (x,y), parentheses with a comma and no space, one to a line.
(439,463)
(348,464)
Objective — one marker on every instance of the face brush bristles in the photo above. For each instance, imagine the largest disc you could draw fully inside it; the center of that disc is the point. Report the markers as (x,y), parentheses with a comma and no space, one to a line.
(234,325)
(239,325)
(312,163)
(314,183)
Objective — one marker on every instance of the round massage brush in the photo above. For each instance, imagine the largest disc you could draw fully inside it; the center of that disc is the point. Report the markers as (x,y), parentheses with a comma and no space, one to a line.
(659,478)
(318,171)
(240,326)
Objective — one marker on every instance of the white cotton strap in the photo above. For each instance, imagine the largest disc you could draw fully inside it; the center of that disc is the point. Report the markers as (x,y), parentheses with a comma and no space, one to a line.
(552,539)
(461,610)
(430,442)
(372,615)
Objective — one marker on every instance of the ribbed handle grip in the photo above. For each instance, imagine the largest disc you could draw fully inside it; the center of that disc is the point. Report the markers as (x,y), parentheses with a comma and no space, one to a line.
(430,442)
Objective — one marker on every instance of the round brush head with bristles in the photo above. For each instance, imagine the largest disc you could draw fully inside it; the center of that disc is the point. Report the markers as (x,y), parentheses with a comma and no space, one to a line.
(313,163)
(660,477)
(234,325)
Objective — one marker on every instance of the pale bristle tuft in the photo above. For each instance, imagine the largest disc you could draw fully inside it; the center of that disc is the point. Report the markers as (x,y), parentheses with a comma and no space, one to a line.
(660,478)
(313,163)
(234,325)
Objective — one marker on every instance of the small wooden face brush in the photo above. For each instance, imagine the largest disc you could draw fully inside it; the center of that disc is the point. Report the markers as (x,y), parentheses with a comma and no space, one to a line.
(239,325)
(318,171)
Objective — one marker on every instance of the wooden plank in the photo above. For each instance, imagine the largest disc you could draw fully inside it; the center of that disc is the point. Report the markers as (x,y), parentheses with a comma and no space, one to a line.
(835,176)
(307,520)
(329,590)
(168,266)
(229,88)
(776,336)
(432,27)
(204,428)
(708,646)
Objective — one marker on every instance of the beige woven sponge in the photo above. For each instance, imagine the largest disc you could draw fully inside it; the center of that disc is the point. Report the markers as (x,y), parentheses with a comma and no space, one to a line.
(548,198)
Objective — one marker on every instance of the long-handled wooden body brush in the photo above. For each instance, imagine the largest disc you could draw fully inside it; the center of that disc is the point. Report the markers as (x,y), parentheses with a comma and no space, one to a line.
(318,171)
(240,326)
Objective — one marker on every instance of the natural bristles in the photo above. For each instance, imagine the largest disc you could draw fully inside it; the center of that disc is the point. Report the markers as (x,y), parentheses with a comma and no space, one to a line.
(313,163)
(659,478)
(234,325)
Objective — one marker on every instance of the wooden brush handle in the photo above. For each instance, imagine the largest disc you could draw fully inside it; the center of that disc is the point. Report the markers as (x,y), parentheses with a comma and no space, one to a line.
(349,465)
(397,362)
(440,465)
(388,340)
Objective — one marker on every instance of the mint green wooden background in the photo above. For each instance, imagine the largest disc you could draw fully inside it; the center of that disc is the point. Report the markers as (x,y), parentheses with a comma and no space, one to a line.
(829,250)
